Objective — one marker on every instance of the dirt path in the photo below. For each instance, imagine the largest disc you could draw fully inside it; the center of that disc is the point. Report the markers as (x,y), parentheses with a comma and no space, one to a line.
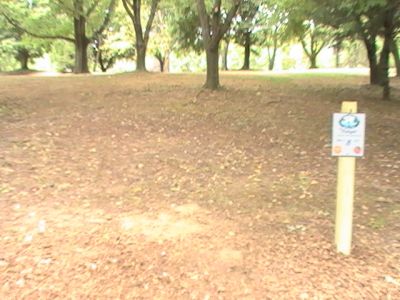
(139,187)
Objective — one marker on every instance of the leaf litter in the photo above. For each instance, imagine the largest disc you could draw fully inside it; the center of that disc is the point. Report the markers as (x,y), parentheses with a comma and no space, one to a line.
(119,189)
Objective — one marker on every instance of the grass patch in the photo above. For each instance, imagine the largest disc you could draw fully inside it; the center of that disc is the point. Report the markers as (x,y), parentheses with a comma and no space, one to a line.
(377,222)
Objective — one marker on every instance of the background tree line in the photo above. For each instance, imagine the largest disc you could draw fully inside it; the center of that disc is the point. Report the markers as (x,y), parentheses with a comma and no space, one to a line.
(97,33)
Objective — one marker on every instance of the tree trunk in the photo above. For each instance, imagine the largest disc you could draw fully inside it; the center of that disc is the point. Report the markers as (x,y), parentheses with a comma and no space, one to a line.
(271,58)
(166,62)
(103,68)
(370,44)
(96,53)
(212,81)
(133,8)
(247,50)
(338,48)
(212,31)
(395,53)
(141,56)
(81,43)
(225,51)
(312,53)
(161,61)
(384,58)
(23,58)
(384,69)
(313,61)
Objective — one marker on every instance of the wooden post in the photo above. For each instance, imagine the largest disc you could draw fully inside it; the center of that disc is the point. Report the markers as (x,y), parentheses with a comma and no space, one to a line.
(345,195)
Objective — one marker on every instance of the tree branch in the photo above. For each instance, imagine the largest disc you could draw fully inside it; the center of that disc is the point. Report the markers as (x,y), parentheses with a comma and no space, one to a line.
(153,10)
(36,35)
(229,17)
(106,21)
(303,43)
(137,20)
(318,49)
(91,9)
(5,37)
(66,7)
(216,22)
(205,25)
(129,9)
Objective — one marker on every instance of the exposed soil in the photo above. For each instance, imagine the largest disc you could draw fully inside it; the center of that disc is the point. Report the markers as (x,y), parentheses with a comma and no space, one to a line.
(138,186)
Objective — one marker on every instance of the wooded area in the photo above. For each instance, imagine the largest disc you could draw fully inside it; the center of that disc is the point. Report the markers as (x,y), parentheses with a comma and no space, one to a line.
(104,31)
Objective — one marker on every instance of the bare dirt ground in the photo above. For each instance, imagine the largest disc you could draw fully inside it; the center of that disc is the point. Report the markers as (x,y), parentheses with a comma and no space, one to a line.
(137,186)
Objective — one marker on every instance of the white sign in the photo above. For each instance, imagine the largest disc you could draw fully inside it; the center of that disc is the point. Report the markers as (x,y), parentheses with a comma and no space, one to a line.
(348,134)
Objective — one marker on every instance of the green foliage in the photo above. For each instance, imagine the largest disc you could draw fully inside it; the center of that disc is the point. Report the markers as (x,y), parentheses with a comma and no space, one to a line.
(110,47)
(185,27)
(164,39)
(62,56)
(115,42)
(248,19)
(22,48)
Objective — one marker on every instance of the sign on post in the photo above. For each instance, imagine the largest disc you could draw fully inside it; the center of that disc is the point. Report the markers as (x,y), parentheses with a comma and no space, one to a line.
(348,136)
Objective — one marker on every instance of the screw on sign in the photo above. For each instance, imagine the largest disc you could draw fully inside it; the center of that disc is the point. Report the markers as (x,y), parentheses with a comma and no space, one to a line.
(357,150)
(337,150)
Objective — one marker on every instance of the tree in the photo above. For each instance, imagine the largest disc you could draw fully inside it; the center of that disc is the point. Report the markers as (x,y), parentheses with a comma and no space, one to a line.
(134,10)
(388,34)
(107,49)
(113,43)
(164,38)
(213,27)
(395,52)
(14,42)
(185,27)
(273,31)
(225,52)
(393,45)
(245,24)
(362,19)
(368,20)
(86,24)
(313,38)
(368,25)
(304,24)
(23,50)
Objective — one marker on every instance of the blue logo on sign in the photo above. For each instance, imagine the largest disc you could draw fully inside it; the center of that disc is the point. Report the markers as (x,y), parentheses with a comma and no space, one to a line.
(349,121)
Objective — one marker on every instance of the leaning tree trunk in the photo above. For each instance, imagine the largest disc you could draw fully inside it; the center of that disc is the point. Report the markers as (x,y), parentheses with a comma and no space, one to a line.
(272,57)
(370,45)
(247,50)
(395,53)
(212,81)
(271,63)
(81,45)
